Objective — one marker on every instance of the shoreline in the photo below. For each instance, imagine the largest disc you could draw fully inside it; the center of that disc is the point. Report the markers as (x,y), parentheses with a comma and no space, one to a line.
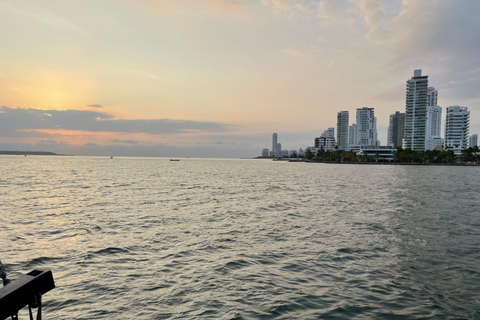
(31,153)
(398,163)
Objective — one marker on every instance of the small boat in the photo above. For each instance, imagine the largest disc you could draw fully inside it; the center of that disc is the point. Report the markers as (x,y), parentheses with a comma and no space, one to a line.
(174,159)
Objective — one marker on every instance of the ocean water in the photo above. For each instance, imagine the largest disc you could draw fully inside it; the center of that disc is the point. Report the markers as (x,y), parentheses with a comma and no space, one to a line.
(147,238)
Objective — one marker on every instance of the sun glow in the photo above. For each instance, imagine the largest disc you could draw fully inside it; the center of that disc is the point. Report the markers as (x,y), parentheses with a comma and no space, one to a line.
(50,89)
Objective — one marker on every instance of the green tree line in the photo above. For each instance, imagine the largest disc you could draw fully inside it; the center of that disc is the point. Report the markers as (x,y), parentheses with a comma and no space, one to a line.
(401,156)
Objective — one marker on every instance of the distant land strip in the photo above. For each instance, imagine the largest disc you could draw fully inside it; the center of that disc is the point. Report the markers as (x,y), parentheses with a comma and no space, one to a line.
(36,153)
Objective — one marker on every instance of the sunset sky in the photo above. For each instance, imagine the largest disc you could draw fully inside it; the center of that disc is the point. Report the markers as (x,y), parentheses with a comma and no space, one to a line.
(215,78)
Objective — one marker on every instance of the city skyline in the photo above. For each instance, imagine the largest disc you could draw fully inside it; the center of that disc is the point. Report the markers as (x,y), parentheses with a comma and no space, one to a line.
(417,129)
(216,78)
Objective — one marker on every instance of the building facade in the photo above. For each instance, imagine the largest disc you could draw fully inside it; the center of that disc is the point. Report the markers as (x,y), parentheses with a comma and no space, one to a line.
(434,121)
(456,128)
(432,96)
(274,145)
(326,140)
(396,129)
(342,130)
(416,112)
(352,135)
(433,125)
(472,142)
(366,127)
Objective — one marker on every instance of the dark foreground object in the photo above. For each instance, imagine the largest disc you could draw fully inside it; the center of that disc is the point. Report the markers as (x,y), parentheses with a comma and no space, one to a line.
(27,290)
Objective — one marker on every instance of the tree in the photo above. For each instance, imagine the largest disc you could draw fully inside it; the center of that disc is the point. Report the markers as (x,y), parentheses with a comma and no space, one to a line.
(468,155)
(450,156)
(309,154)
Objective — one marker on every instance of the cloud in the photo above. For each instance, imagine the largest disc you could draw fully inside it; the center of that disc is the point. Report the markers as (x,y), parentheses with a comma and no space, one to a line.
(373,17)
(291,5)
(225,6)
(441,37)
(39,14)
(290,8)
(229,7)
(13,122)
(331,13)
(301,52)
(95,106)
(115,141)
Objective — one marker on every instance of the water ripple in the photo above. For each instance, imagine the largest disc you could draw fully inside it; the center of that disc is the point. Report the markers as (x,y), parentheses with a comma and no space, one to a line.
(244,239)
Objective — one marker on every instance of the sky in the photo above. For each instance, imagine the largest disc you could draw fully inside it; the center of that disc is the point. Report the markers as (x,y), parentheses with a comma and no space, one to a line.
(215,78)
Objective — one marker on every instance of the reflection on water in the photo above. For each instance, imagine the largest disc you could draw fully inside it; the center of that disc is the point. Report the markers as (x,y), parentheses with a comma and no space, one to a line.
(243,239)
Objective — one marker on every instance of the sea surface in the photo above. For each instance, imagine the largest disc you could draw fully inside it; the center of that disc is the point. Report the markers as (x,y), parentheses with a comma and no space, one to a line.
(149,238)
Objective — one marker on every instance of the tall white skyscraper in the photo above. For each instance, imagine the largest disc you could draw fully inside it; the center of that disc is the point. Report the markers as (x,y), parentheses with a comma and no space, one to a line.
(366,127)
(434,120)
(342,130)
(416,112)
(432,96)
(456,128)
(473,141)
(352,134)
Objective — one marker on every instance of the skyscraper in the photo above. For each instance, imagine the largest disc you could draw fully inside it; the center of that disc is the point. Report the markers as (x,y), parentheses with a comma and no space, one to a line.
(434,120)
(416,112)
(274,143)
(352,134)
(366,127)
(276,147)
(342,130)
(473,141)
(396,129)
(432,96)
(456,128)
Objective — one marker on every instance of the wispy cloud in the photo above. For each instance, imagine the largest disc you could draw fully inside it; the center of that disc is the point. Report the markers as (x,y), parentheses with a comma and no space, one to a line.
(291,6)
(331,13)
(229,7)
(374,17)
(39,14)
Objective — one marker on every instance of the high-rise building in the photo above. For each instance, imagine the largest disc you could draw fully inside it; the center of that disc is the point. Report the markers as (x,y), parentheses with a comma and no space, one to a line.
(276,147)
(434,121)
(329,133)
(433,124)
(366,127)
(326,140)
(342,130)
(432,96)
(274,144)
(416,112)
(456,128)
(352,134)
(396,129)
(265,152)
(472,142)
